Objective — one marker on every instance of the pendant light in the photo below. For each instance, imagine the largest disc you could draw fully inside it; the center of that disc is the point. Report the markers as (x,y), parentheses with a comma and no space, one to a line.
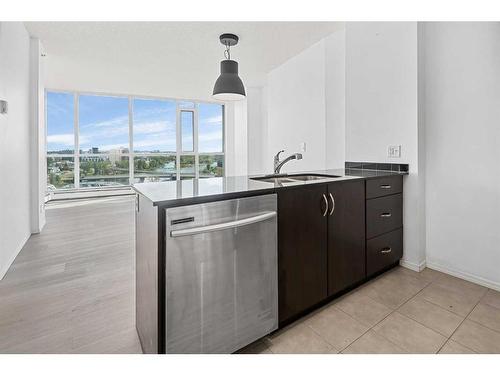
(229,85)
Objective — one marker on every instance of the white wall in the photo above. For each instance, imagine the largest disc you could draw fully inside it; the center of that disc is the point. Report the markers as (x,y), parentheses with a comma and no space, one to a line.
(236,138)
(335,99)
(381,90)
(256,130)
(304,103)
(382,110)
(38,160)
(296,110)
(462,135)
(14,142)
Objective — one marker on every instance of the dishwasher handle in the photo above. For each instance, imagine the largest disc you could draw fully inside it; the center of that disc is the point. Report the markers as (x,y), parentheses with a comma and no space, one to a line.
(222,226)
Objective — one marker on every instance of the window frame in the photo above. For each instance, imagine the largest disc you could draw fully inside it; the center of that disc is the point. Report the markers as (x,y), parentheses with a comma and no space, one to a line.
(132,154)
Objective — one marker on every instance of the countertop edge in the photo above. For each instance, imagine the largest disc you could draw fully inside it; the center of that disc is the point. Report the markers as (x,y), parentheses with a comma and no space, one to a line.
(343,175)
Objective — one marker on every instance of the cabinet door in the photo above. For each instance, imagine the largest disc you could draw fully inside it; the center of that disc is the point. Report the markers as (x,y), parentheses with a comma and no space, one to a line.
(302,249)
(346,235)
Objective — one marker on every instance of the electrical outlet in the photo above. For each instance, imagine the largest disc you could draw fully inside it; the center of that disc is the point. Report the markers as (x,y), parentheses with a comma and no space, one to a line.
(394,151)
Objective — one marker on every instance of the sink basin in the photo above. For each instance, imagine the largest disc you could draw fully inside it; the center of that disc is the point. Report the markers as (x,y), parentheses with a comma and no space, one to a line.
(292,178)
(310,177)
(274,179)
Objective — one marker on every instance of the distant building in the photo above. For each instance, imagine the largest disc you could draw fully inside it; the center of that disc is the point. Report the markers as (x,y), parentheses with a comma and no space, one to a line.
(116,154)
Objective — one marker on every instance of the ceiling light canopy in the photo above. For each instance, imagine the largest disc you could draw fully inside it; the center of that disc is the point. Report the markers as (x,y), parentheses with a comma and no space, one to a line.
(229,85)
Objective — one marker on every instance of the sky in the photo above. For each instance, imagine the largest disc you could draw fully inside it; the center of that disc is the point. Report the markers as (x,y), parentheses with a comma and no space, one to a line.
(103,123)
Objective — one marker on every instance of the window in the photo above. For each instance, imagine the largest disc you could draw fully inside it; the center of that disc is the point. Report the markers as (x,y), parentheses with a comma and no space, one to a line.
(60,172)
(114,140)
(187,170)
(103,141)
(154,126)
(187,129)
(60,123)
(210,128)
(155,168)
(60,141)
(211,166)
(103,124)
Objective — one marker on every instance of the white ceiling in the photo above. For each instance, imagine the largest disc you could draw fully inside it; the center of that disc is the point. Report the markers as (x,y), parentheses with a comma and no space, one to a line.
(182,49)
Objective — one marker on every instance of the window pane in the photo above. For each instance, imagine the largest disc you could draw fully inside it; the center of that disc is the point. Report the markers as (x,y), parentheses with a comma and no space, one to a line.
(211,166)
(103,124)
(104,170)
(210,128)
(154,168)
(187,167)
(187,130)
(60,123)
(60,172)
(154,125)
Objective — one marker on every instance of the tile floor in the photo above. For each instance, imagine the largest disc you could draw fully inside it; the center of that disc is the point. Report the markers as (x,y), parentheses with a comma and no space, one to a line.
(401,311)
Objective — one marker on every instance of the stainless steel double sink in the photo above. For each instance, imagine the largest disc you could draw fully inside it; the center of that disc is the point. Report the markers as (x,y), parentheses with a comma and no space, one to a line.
(280,178)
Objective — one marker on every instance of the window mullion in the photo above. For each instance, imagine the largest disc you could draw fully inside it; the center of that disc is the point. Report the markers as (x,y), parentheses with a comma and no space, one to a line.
(76,161)
(178,141)
(130,142)
(195,142)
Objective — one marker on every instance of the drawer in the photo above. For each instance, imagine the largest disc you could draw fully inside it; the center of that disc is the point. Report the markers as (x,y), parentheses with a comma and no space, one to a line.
(384,250)
(384,214)
(379,187)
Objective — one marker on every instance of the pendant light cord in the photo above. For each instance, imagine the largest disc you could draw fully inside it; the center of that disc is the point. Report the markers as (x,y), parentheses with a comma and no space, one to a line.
(227,52)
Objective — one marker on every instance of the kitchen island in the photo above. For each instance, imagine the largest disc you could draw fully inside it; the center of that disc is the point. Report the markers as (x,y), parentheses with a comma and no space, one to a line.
(334,232)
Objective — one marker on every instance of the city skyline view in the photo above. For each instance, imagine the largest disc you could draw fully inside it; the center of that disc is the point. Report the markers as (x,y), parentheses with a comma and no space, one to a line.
(104,123)
(104,140)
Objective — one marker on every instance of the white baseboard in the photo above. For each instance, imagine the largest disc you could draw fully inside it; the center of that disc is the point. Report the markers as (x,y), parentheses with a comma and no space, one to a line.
(465,276)
(418,267)
(6,266)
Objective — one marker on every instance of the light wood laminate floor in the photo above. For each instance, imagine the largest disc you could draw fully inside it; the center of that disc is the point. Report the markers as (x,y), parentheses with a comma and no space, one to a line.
(71,289)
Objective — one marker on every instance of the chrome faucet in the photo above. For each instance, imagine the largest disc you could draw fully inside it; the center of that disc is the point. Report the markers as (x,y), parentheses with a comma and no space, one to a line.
(278,164)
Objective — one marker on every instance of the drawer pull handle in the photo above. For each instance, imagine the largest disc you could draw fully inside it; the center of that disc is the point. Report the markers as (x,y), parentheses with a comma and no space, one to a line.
(326,205)
(386,214)
(385,186)
(386,250)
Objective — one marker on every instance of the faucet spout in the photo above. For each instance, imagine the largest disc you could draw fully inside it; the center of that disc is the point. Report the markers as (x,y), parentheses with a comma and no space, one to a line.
(279,164)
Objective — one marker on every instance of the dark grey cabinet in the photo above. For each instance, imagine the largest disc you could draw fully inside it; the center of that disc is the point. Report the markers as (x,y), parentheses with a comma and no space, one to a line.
(346,235)
(383,215)
(383,251)
(384,223)
(321,243)
(332,237)
(302,249)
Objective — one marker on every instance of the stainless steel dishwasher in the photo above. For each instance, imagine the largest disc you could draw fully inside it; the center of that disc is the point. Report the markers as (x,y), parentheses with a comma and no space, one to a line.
(221,274)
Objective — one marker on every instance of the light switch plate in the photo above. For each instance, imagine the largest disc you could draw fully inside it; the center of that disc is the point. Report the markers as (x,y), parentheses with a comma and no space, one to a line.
(302,146)
(394,151)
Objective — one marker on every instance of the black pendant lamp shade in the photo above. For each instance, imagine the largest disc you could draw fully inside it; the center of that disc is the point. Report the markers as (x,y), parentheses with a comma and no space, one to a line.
(229,85)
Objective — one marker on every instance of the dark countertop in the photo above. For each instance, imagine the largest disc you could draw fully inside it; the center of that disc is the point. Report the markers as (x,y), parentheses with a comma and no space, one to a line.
(182,192)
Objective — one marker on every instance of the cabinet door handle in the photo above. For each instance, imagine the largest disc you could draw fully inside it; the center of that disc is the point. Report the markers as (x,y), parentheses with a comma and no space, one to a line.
(385,186)
(386,250)
(326,205)
(386,214)
(333,204)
